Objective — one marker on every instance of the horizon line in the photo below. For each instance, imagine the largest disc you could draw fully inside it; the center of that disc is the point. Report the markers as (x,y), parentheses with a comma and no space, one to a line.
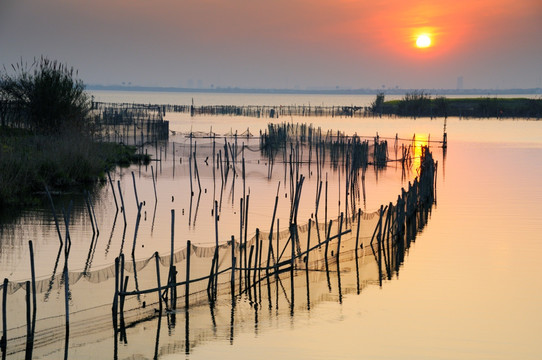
(317,91)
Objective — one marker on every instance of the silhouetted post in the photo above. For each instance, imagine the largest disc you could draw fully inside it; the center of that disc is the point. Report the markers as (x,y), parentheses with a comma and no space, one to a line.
(67,308)
(241,206)
(357,231)
(171,269)
(123,283)
(308,244)
(122,203)
(325,215)
(216,244)
(339,242)
(33,274)
(292,253)
(197,172)
(135,189)
(113,190)
(116,296)
(327,238)
(187,282)
(87,200)
(190,167)
(157,261)
(153,180)
(4,318)
(28,320)
(256,255)
(232,267)
(54,214)
(247,273)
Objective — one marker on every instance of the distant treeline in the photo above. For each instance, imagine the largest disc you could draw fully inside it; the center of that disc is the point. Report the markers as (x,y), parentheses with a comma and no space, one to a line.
(420,104)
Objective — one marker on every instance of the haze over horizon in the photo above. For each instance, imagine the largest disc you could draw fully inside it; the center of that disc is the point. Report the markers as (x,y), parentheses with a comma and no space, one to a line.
(294,44)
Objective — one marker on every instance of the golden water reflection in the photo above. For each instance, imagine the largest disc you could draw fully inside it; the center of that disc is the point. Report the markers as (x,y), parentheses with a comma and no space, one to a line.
(419,141)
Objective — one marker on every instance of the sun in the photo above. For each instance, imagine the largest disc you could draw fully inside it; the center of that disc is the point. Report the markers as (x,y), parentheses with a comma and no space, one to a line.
(423,41)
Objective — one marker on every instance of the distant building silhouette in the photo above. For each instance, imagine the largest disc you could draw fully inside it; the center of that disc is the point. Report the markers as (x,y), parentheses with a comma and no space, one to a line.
(460,83)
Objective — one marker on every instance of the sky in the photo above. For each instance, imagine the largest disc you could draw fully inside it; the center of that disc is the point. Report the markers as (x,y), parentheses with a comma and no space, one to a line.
(293,44)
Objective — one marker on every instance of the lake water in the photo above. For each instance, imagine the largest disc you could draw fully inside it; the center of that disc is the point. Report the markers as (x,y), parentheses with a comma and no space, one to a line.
(469,288)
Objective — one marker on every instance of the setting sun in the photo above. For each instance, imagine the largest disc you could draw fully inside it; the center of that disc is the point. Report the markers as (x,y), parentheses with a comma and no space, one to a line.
(423,41)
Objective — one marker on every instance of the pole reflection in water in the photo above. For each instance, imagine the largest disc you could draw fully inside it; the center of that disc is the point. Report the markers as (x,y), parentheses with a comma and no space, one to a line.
(138,306)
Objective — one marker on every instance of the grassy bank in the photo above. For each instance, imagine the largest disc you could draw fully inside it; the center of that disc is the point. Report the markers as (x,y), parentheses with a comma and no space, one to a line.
(64,162)
(420,104)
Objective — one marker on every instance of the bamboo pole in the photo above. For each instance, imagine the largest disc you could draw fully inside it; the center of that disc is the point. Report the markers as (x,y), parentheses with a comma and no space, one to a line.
(232,266)
(246,225)
(325,216)
(113,190)
(171,268)
(153,180)
(28,321)
(90,213)
(123,209)
(93,215)
(4,318)
(67,309)
(157,261)
(308,245)
(241,215)
(339,241)
(33,275)
(114,307)
(54,215)
(135,189)
(187,282)
(197,172)
(256,255)
(357,230)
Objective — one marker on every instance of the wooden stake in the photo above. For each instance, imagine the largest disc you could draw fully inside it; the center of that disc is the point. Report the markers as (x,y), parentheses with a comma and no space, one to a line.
(122,203)
(113,190)
(157,261)
(4,318)
(153,180)
(187,282)
(357,232)
(135,189)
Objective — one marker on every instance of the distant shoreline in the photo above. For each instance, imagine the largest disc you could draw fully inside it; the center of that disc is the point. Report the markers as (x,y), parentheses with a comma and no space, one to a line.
(236,90)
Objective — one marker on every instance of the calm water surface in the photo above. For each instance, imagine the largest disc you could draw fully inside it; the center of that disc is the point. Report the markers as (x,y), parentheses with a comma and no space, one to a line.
(470,286)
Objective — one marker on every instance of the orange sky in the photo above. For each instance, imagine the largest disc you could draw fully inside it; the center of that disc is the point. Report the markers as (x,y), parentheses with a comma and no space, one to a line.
(282,43)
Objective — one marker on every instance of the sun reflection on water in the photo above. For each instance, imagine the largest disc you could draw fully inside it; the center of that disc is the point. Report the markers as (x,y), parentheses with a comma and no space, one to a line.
(419,141)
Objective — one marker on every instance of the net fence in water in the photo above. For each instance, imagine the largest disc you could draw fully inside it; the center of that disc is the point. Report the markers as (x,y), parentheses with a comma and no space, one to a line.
(384,236)
(204,253)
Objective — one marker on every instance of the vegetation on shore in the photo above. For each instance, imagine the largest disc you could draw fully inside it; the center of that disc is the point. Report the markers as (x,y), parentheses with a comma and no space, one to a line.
(64,162)
(46,136)
(421,104)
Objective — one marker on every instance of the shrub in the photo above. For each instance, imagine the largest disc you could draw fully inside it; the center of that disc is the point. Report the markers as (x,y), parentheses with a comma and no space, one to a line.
(376,105)
(415,103)
(45,97)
